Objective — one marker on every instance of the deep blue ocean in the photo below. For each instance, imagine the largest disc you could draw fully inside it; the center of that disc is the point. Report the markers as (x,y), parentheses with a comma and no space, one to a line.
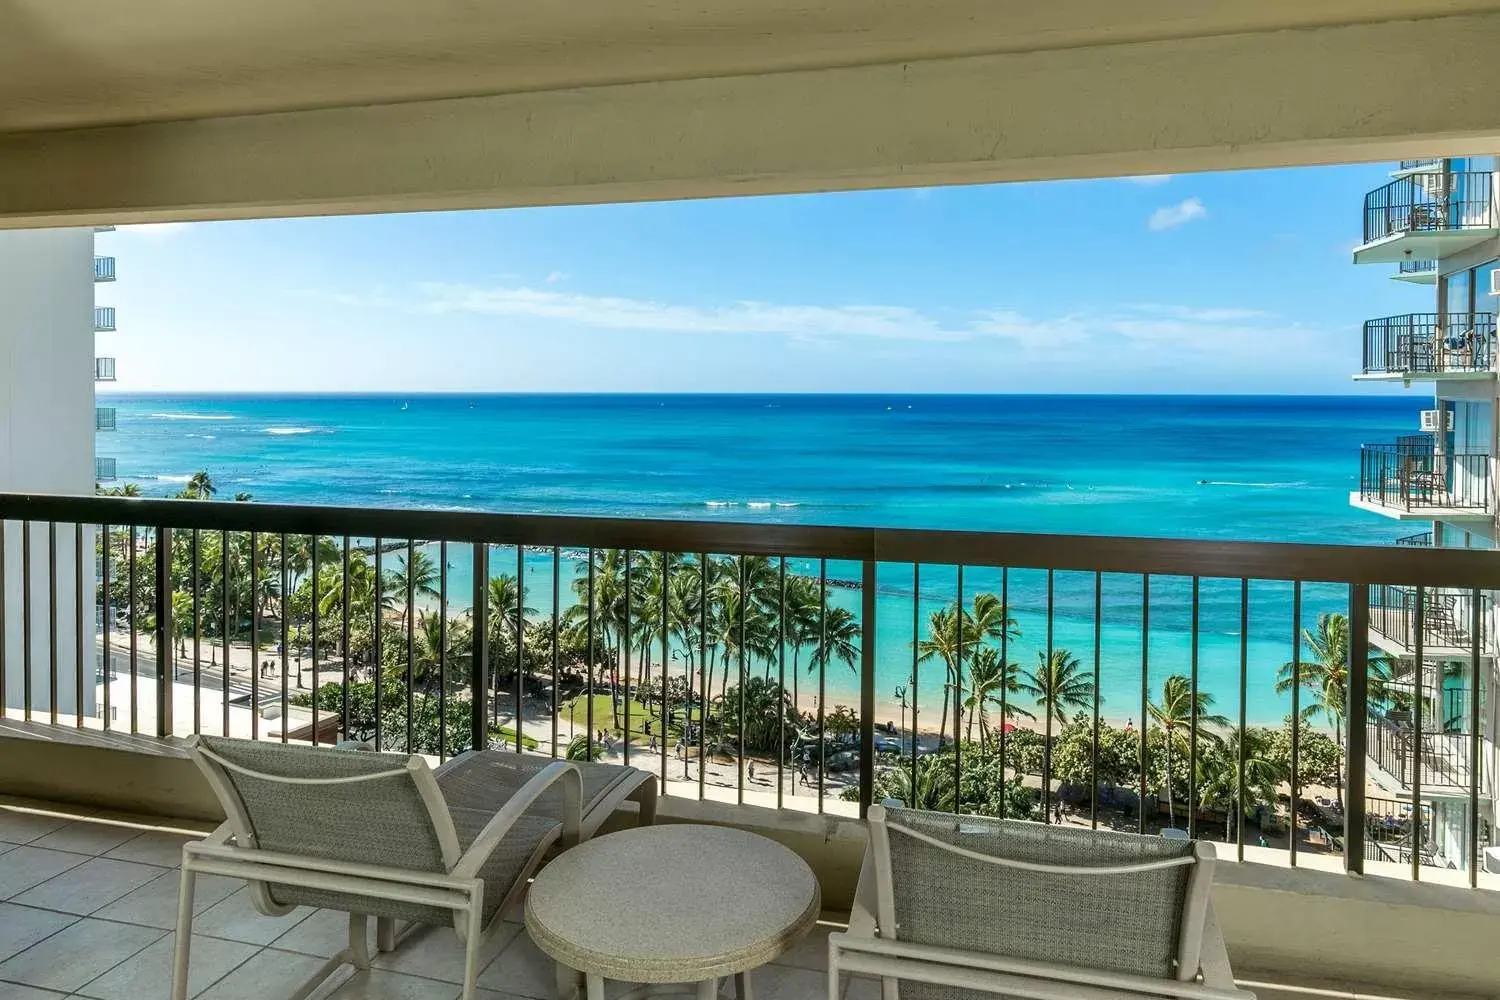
(1221,467)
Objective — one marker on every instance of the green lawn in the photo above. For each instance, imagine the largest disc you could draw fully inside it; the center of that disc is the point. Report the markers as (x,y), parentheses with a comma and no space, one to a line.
(604,718)
(506,736)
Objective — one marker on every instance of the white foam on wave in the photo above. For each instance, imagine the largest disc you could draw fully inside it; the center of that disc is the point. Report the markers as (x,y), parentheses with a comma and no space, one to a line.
(718,503)
(291,430)
(205,437)
(191,416)
(1254,485)
(174,479)
(759,504)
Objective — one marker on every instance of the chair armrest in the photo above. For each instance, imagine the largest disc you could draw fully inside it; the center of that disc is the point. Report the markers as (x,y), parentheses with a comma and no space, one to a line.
(495,830)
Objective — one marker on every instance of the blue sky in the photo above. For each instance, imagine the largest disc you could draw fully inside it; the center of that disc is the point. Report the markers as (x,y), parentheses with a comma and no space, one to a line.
(1233,282)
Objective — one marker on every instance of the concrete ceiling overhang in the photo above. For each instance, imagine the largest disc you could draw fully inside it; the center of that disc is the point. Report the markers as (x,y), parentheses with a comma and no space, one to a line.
(195,109)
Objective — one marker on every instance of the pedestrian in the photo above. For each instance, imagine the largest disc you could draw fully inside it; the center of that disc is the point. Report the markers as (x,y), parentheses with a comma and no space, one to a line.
(751,767)
(653,744)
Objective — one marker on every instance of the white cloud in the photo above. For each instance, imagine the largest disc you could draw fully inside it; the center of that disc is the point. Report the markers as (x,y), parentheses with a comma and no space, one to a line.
(1149,180)
(553,277)
(156,230)
(1172,216)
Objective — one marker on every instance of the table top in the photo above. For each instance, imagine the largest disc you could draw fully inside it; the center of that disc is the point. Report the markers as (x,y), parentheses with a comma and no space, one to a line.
(675,903)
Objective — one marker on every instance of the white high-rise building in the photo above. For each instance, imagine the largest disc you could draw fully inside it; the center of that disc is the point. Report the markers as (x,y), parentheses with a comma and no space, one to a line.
(1438,220)
(48,422)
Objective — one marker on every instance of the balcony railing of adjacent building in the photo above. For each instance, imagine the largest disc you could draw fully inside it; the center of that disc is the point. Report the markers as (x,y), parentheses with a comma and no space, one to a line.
(1389,833)
(104,471)
(104,269)
(104,418)
(104,369)
(1430,343)
(1434,162)
(104,319)
(762,687)
(1417,267)
(1412,476)
(1422,539)
(1445,617)
(1393,738)
(1430,202)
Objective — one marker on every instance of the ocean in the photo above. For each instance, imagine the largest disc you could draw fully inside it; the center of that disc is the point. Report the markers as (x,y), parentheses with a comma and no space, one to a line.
(1220,467)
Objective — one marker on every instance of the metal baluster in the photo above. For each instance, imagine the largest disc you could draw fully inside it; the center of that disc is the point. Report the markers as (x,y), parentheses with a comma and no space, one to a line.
(702,665)
(520,638)
(348,611)
(4,636)
(77,623)
(195,584)
(822,675)
(781,685)
(1145,691)
(166,667)
(312,635)
(1193,719)
(1004,674)
(479,653)
(377,626)
(1296,710)
(1476,761)
(589,656)
(629,587)
(866,689)
(107,660)
(52,621)
(687,709)
(224,630)
(740,780)
(1051,708)
(1094,751)
(1414,837)
(958,683)
(916,638)
(411,640)
(556,626)
(26,621)
(1356,719)
(286,639)
(442,663)
(254,638)
(1239,820)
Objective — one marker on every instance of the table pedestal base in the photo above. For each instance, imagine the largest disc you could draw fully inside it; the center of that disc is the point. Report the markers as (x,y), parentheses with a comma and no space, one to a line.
(708,989)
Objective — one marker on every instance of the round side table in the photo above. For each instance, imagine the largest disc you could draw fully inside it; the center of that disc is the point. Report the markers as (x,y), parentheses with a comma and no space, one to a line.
(675,903)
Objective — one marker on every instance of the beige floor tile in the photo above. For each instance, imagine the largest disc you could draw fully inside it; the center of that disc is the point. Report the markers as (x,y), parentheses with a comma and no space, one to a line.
(15,991)
(94,884)
(812,951)
(149,972)
(435,952)
(781,982)
(483,994)
(87,838)
(21,927)
(324,933)
(267,975)
(155,903)
(24,827)
(382,984)
(521,969)
(27,866)
(153,847)
(236,918)
(861,988)
(77,954)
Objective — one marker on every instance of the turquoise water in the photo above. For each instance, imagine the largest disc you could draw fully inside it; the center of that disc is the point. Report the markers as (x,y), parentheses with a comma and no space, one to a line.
(1254,468)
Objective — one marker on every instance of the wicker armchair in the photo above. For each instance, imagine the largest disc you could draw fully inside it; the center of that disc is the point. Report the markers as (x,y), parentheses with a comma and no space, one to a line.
(374,835)
(971,908)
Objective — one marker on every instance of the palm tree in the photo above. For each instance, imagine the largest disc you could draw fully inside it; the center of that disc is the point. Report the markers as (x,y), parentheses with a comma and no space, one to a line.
(1218,776)
(1174,714)
(837,638)
(420,579)
(1060,688)
(988,677)
(954,634)
(199,487)
(803,610)
(1325,677)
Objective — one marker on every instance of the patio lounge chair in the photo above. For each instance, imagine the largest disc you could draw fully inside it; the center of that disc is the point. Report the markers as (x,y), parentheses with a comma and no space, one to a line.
(955,907)
(377,835)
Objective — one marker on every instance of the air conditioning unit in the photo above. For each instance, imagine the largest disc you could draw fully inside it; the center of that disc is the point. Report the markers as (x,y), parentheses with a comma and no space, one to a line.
(1433,422)
(1495,281)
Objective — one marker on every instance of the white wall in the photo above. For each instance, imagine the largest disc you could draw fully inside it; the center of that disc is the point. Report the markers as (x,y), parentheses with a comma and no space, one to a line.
(47,446)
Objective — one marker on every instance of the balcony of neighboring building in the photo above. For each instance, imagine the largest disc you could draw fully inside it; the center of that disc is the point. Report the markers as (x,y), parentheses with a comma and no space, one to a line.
(1427,216)
(1429,346)
(104,269)
(104,469)
(1417,272)
(105,418)
(1426,165)
(1446,622)
(1412,480)
(104,319)
(104,369)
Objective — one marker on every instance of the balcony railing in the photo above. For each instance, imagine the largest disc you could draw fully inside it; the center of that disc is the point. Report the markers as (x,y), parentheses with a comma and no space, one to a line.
(104,369)
(1412,476)
(104,471)
(1393,739)
(1434,162)
(1417,267)
(104,418)
(104,269)
(1446,617)
(1389,835)
(1430,343)
(800,667)
(1422,539)
(1430,202)
(104,319)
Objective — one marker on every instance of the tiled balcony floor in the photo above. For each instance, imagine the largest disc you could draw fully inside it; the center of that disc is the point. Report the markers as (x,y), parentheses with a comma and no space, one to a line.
(87,910)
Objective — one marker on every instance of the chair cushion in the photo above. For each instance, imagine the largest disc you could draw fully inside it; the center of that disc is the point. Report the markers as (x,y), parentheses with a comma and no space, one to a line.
(493,776)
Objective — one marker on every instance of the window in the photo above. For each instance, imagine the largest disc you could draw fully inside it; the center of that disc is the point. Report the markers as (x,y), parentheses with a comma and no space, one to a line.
(1456,289)
(1483,282)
